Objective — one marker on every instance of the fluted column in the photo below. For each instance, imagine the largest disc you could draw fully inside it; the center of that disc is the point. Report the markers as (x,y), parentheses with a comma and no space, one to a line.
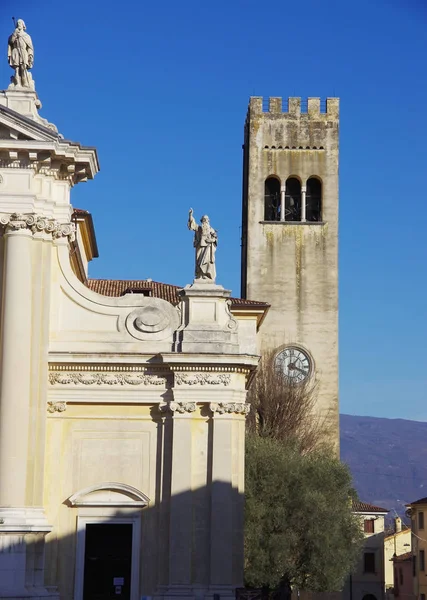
(15,366)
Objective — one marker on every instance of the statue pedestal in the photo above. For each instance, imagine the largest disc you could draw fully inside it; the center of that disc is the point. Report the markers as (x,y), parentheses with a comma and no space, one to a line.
(25,102)
(207,325)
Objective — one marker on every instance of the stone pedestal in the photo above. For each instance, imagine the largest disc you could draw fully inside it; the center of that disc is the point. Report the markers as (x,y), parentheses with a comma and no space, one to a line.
(22,539)
(207,326)
(27,103)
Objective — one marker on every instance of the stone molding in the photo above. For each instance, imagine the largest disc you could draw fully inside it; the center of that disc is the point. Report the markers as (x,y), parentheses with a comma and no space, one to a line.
(238,408)
(53,406)
(178,407)
(100,378)
(202,379)
(37,224)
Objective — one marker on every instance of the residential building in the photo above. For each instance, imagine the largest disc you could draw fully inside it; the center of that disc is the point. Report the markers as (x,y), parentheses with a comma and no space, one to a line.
(367,582)
(403,586)
(418,513)
(395,544)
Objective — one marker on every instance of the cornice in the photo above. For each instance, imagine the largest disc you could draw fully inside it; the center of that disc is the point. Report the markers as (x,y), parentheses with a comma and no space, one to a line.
(61,159)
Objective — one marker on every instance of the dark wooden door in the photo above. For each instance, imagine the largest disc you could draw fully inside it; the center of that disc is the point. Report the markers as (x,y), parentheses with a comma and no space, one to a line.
(108,559)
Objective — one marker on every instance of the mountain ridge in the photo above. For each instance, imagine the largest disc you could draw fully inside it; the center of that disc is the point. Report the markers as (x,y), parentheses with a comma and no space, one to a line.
(387,458)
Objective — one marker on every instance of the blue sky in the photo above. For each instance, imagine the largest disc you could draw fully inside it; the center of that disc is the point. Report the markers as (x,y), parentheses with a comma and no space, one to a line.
(161,89)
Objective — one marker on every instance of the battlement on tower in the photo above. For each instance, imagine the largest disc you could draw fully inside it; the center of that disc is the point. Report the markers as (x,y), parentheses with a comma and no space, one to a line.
(295,108)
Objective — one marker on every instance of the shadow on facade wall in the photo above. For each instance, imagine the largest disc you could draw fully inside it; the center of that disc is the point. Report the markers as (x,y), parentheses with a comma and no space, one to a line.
(187,541)
(113,541)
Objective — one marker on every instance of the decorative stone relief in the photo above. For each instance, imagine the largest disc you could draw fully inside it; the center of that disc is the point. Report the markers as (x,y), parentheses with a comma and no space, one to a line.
(37,224)
(155,320)
(238,408)
(179,407)
(94,378)
(232,324)
(53,407)
(202,379)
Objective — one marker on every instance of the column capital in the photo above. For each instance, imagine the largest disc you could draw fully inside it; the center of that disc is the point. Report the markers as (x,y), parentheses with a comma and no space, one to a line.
(177,407)
(237,408)
(36,224)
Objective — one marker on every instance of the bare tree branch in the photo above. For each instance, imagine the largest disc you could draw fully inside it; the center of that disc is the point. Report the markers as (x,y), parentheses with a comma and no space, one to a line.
(284,410)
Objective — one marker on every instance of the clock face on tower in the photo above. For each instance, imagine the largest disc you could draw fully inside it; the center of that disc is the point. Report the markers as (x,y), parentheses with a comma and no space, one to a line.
(294,363)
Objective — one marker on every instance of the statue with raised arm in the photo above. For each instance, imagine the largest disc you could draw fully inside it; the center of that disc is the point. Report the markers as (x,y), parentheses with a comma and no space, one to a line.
(20,54)
(205,243)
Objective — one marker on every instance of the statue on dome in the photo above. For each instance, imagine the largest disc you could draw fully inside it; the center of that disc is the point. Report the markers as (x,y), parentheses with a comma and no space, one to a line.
(205,243)
(20,54)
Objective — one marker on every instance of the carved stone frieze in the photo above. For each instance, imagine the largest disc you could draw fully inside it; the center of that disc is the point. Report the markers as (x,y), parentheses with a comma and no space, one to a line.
(179,407)
(238,408)
(37,224)
(53,406)
(202,379)
(107,378)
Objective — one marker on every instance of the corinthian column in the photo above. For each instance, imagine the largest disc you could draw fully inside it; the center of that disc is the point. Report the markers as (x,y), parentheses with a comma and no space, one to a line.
(15,366)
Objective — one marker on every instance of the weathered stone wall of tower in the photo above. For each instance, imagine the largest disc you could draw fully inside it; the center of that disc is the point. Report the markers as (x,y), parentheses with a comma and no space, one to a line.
(294,265)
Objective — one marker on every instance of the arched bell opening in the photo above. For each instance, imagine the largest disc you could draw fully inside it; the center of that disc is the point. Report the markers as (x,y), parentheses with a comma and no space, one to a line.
(293,199)
(272,199)
(313,200)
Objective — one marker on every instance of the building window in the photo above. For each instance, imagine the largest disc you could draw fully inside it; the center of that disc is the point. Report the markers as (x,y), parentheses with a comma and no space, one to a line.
(414,565)
(421,520)
(369,562)
(313,200)
(272,199)
(422,560)
(293,200)
(368,526)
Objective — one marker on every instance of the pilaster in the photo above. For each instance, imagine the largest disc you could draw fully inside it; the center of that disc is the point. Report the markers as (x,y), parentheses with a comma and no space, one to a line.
(181,509)
(206,417)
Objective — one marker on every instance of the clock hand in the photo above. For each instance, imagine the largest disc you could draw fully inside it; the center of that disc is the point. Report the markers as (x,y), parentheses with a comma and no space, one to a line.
(300,370)
(293,367)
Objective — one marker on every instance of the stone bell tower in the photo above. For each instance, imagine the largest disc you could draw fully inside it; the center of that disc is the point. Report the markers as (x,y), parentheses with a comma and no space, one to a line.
(290,237)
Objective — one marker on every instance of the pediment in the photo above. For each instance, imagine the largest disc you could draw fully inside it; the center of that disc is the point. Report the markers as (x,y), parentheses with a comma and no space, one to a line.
(25,142)
(109,494)
(14,126)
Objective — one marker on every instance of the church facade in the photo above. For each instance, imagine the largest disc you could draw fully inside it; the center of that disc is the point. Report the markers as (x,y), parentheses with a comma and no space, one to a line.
(123,403)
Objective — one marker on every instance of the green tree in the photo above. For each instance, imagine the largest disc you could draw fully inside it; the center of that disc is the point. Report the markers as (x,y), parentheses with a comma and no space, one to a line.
(299,528)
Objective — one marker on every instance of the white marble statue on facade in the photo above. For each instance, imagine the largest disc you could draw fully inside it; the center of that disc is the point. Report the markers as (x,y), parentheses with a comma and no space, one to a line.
(205,243)
(20,54)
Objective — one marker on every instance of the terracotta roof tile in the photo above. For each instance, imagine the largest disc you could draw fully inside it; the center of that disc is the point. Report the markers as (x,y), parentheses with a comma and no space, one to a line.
(420,501)
(364,507)
(165,291)
(402,557)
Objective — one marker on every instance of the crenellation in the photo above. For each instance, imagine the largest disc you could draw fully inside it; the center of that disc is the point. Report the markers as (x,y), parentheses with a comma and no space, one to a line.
(295,107)
(275,105)
(313,106)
